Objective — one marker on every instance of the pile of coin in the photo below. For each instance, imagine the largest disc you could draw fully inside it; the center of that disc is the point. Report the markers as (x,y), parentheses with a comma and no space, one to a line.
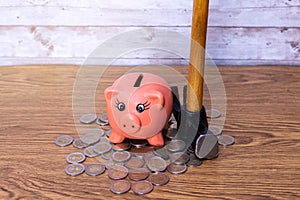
(132,164)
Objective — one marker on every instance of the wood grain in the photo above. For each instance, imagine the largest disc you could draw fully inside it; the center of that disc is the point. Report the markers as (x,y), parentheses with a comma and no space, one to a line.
(262,115)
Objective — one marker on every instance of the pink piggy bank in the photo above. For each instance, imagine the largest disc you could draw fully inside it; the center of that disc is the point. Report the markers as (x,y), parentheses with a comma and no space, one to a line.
(139,106)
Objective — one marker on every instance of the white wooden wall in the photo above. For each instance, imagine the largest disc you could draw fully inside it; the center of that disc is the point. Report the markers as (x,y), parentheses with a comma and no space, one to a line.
(241,32)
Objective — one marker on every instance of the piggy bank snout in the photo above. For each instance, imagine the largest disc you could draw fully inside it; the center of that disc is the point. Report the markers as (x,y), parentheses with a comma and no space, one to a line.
(130,123)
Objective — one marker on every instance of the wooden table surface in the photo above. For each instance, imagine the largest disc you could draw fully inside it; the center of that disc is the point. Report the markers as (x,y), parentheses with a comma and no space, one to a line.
(263,105)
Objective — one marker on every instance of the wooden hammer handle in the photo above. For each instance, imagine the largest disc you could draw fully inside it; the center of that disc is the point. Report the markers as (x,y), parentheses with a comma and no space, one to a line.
(197,56)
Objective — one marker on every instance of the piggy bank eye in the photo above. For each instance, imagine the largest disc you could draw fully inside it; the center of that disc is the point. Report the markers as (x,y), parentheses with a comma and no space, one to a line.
(121,106)
(140,108)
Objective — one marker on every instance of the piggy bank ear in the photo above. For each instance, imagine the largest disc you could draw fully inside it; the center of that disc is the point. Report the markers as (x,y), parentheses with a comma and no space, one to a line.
(156,97)
(109,93)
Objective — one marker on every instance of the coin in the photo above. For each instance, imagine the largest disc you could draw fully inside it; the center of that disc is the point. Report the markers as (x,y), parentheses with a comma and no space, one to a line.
(117,172)
(104,139)
(88,118)
(91,137)
(74,169)
(79,144)
(207,146)
(141,151)
(194,161)
(63,140)
(142,187)
(102,147)
(107,155)
(176,168)
(159,178)
(156,164)
(226,140)
(101,123)
(171,133)
(179,158)
(121,156)
(94,169)
(176,145)
(103,117)
(138,174)
(89,152)
(98,131)
(138,143)
(213,113)
(121,146)
(216,130)
(111,163)
(161,152)
(135,162)
(76,157)
(120,186)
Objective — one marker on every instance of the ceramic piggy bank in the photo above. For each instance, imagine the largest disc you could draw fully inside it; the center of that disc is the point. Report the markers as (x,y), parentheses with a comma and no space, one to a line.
(139,106)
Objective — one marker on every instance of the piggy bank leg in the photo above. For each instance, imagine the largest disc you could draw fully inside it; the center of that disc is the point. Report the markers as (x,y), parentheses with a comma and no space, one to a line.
(115,137)
(156,140)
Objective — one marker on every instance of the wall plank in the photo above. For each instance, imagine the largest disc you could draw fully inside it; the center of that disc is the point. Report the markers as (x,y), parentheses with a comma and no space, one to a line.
(251,32)
(223,44)
(118,16)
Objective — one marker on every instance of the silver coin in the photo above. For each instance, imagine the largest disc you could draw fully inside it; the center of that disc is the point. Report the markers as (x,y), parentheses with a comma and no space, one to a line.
(95,169)
(102,147)
(138,143)
(135,162)
(104,139)
(207,146)
(216,130)
(176,168)
(159,178)
(74,169)
(107,155)
(179,158)
(103,117)
(161,152)
(213,113)
(121,156)
(101,123)
(98,131)
(91,137)
(79,144)
(176,145)
(226,140)
(63,140)
(111,163)
(88,118)
(117,172)
(194,161)
(89,152)
(120,186)
(156,164)
(171,133)
(76,157)
(142,187)
(121,146)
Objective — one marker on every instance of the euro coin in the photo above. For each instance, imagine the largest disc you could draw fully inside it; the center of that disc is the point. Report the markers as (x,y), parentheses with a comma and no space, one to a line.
(63,140)
(88,118)
(94,169)
(76,157)
(159,178)
(74,169)
(142,187)
(120,186)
